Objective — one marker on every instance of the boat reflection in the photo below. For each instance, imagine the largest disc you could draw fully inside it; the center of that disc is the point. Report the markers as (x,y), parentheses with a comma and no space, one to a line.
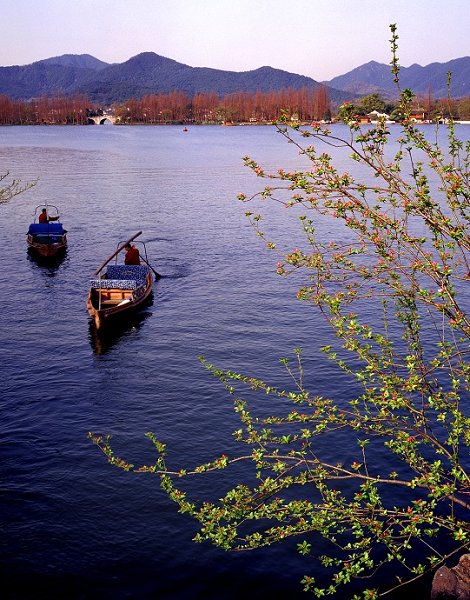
(51,262)
(104,339)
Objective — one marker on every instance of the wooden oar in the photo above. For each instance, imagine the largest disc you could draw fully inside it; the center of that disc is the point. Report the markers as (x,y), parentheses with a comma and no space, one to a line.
(117,252)
(148,264)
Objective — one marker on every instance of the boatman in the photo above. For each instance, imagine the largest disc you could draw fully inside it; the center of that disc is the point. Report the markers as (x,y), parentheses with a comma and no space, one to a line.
(132,255)
(44,217)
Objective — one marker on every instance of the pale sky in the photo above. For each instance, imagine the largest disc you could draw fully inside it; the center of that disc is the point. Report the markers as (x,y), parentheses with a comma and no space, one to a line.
(317,38)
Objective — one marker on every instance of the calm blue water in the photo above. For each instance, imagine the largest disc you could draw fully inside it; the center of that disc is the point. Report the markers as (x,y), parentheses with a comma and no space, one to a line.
(73,527)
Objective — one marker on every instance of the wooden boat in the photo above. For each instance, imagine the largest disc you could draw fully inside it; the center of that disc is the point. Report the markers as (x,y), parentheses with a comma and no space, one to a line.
(119,290)
(47,239)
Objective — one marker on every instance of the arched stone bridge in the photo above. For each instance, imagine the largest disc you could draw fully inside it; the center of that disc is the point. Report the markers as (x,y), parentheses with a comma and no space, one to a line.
(101,119)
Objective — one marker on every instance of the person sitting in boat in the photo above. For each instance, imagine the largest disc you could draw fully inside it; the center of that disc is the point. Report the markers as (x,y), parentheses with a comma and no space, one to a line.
(45,218)
(132,256)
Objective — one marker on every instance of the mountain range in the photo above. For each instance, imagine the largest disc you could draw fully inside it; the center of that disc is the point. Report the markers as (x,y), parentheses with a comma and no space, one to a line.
(374,77)
(150,73)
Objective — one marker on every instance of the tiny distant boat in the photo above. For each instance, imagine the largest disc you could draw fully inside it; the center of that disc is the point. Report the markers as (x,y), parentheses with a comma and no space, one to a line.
(120,289)
(185,129)
(47,238)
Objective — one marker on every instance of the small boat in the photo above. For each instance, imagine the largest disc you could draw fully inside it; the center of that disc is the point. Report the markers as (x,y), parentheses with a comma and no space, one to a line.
(119,289)
(47,239)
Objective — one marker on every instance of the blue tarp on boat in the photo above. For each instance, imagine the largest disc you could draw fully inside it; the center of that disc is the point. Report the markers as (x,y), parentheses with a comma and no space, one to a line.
(46,228)
(122,277)
(116,284)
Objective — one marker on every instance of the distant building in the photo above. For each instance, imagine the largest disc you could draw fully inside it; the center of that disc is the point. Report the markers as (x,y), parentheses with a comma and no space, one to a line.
(375,116)
(418,117)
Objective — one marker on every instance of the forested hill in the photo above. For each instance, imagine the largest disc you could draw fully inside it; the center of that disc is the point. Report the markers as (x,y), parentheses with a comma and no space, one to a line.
(146,73)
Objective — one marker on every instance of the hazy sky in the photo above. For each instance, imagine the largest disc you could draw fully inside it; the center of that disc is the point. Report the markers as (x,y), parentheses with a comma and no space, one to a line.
(317,38)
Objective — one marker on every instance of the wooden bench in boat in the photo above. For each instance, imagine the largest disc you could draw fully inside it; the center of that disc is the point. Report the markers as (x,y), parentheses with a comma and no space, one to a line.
(114,297)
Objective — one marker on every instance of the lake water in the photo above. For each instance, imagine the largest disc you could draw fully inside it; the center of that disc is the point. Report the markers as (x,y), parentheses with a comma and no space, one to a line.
(73,527)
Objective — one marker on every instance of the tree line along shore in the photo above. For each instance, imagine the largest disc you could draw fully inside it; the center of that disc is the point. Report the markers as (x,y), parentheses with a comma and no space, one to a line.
(303,105)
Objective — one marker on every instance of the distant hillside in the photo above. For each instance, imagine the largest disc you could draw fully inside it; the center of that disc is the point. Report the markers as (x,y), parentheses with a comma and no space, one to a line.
(146,73)
(82,61)
(41,79)
(375,77)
